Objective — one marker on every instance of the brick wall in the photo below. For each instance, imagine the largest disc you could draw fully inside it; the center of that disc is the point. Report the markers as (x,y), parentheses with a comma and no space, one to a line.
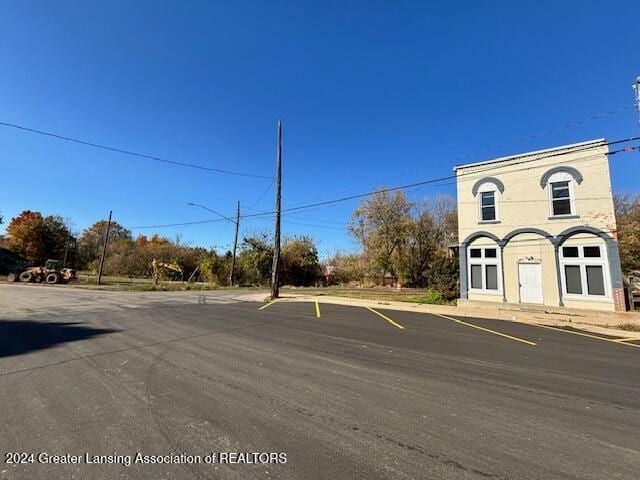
(618,299)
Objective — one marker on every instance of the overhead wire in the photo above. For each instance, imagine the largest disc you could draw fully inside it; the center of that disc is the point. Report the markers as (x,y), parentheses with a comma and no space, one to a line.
(129,152)
(432,165)
(452,177)
(476,172)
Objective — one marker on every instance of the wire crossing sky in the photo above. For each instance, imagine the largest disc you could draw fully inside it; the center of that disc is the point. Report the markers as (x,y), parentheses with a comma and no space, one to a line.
(178,103)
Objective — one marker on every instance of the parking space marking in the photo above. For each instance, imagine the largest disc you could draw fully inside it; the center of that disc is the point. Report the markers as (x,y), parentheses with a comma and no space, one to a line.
(386,318)
(268,304)
(510,337)
(317,309)
(612,340)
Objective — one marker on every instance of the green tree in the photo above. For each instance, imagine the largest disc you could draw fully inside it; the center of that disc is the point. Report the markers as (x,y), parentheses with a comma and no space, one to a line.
(215,268)
(255,260)
(300,265)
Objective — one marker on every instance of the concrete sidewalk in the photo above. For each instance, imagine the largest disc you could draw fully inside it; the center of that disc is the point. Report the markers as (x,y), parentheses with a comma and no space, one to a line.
(604,323)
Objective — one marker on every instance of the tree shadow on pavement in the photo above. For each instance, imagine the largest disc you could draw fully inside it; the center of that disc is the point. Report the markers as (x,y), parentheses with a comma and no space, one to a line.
(20,337)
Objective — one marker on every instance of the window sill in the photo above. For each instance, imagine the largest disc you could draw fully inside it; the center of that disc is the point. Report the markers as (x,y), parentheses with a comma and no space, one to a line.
(562,217)
(485,292)
(488,221)
(587,298)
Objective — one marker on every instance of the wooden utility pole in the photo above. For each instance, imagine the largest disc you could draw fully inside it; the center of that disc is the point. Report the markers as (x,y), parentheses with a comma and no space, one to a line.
(275,269)
(232,275)
(636,87)
(104,248)
(66,248)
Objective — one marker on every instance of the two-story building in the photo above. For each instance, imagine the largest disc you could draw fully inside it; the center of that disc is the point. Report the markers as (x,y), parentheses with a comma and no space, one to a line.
(539,228)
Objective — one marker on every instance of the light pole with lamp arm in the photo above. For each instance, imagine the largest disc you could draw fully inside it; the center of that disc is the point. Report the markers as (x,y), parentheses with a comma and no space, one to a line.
(235,238)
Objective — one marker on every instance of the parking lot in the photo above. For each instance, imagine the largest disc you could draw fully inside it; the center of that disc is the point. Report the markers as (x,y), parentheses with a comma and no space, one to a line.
(345,392)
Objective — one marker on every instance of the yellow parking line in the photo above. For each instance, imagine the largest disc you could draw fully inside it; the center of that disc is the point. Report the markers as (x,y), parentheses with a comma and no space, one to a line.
(612,340)
(386,318)
(268,304)
(625,339)
(317,309)
(486,329)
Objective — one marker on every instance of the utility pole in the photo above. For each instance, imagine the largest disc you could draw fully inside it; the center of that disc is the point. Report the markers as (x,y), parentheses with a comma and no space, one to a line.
(104,247)
(66,248)
(275,269)
(235,246)
(636,87)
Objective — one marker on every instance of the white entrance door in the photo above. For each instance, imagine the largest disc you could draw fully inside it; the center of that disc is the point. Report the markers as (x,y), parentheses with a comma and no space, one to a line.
(530,275)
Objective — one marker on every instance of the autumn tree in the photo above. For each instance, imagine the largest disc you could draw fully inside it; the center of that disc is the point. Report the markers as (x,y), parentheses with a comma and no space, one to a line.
(427,261)
(37,238)
(92,238)
(421,247)
(627,210)
(382,224)
(408,241)
(346,269)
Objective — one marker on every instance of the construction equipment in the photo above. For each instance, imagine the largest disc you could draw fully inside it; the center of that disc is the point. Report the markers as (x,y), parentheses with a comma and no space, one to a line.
(50,273)
(155,266)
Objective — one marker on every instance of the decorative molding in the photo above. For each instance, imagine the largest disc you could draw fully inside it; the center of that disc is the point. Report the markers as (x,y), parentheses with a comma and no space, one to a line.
(476,235)
(518,231)
(577,176)
(570,232)
(613,255)
(499,185)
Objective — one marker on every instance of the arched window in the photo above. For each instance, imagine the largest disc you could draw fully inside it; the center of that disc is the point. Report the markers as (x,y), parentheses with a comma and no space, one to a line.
(560,183)
(488,190)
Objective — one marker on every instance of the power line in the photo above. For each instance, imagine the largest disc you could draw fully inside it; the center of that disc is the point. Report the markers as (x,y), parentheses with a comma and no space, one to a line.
(291,215)
(314,225)
(128,152)
(551,130)
(450,177)
(262,195)
(431,181)
(199,222)
(504,145)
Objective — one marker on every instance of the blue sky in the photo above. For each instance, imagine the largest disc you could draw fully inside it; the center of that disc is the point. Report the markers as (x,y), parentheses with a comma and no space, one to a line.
(370,93)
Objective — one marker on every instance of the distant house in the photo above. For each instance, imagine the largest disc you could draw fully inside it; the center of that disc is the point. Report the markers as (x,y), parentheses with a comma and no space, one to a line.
(539,228)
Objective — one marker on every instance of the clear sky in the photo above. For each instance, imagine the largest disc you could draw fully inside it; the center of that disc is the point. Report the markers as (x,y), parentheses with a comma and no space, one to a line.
(371,93)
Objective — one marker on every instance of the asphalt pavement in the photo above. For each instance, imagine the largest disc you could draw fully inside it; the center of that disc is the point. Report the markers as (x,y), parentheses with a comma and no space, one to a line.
(339,392)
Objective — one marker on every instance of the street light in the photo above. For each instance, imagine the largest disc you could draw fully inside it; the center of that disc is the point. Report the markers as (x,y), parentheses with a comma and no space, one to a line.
(236,222)
(212,211)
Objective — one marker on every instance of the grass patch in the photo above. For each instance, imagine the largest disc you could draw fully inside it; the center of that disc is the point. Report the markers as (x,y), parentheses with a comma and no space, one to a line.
(431,297)
(630,327)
